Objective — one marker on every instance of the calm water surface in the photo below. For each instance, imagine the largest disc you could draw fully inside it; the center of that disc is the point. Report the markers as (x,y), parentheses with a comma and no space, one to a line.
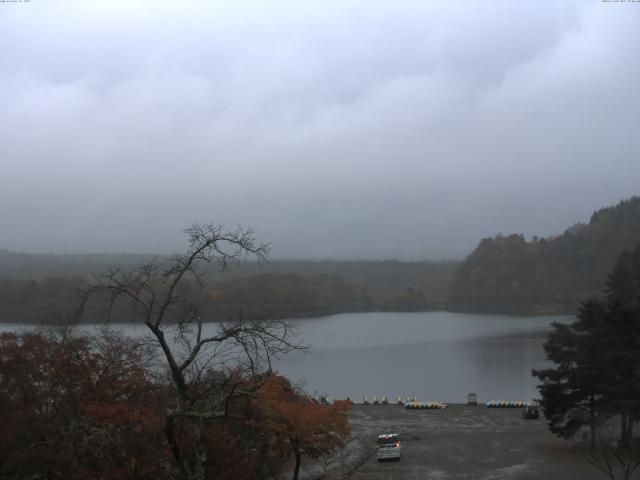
(432,355)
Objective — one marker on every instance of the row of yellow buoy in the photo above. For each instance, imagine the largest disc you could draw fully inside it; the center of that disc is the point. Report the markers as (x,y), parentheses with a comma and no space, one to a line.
(506,404)
(426,405)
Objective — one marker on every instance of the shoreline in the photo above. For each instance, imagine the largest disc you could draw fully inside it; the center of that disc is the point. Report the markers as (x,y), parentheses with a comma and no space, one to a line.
(314,317)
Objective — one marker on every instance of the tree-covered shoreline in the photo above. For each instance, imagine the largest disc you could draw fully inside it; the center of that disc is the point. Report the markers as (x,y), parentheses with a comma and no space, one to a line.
(510,274)
(288,289)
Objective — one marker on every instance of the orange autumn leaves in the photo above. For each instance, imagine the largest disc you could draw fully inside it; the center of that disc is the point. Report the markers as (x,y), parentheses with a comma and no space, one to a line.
(306,427)
(89,407)
(318,427)
(69,410)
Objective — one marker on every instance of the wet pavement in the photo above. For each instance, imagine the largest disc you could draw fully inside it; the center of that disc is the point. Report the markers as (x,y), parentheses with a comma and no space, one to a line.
(467,442)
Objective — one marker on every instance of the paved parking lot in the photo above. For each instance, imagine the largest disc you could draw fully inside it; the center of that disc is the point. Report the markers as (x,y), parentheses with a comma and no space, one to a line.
(464,442)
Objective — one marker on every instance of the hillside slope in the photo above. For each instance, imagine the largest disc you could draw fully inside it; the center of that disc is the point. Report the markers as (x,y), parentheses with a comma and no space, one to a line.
(511,275)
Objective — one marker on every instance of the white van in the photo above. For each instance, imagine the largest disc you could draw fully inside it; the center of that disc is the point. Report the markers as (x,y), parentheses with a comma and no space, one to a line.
(389,446)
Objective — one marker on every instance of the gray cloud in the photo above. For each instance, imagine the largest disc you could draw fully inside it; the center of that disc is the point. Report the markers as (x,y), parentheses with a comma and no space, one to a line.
(337,129)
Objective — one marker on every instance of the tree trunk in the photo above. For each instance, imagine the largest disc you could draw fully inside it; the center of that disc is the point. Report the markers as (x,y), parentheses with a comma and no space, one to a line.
(298,456)
(200,450)
(593,424)
(169,434)
(624,429)
(630,421)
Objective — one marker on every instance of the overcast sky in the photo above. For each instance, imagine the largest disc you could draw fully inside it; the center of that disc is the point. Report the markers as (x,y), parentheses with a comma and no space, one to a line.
(338,129)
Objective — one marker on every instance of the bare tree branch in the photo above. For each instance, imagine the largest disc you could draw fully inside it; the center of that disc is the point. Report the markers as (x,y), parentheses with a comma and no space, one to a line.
(169,296)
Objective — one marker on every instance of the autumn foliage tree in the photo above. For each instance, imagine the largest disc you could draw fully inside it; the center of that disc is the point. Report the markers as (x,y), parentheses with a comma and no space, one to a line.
(299,425)
(77,407)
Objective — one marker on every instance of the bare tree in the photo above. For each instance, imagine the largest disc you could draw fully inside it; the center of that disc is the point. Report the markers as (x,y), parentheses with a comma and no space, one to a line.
(614,459)
(169,297)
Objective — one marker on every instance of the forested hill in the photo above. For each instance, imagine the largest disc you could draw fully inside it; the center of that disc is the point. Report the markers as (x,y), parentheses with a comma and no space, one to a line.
(44,288)
(545,275)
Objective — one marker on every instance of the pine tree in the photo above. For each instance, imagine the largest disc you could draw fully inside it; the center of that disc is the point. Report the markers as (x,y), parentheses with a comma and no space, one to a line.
(597,359)
(572,392)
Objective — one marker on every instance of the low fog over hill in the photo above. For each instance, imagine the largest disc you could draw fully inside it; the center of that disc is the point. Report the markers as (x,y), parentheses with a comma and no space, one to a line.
(338,130)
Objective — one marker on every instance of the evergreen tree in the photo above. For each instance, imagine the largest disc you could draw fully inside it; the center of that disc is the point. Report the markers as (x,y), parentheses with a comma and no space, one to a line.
(572,392)
(597,359)
(622,282)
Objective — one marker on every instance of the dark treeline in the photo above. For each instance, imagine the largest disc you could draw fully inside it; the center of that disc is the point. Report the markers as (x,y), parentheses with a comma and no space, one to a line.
(546,275)
(44,288)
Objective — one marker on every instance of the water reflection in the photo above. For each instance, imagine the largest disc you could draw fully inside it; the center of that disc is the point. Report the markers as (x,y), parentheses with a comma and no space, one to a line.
(434,355)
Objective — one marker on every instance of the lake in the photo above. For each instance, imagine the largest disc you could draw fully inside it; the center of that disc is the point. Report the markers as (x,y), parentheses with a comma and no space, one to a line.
(435,356)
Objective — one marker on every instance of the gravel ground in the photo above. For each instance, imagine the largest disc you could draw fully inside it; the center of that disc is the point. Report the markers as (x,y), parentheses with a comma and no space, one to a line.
(465,442)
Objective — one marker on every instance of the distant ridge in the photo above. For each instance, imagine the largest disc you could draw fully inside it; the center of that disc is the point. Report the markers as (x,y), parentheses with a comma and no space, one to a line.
(43,288)
(38,265)
(507,274)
